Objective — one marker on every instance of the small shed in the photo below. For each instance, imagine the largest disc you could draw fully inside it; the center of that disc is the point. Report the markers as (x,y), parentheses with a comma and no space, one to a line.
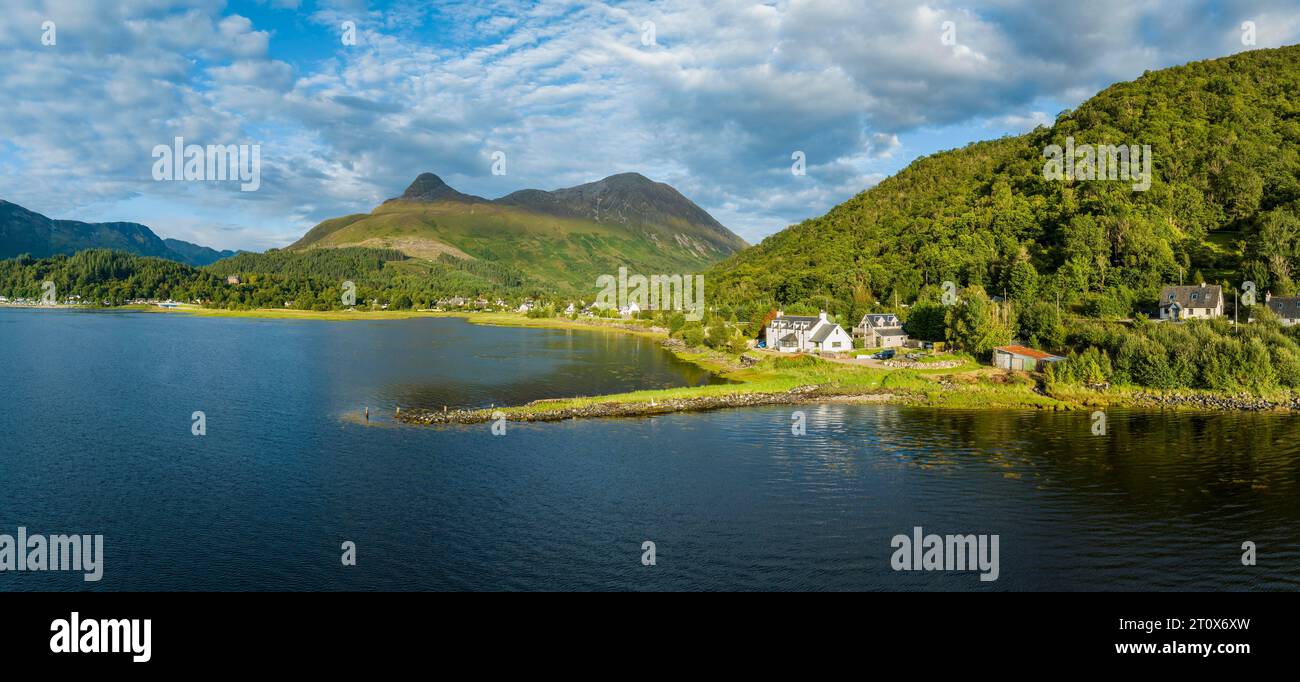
(1022,358)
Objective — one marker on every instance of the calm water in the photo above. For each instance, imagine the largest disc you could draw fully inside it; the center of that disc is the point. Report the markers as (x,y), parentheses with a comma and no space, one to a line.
(95,438)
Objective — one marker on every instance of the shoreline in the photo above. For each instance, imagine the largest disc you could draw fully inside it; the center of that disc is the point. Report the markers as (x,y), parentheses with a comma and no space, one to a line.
(764,380)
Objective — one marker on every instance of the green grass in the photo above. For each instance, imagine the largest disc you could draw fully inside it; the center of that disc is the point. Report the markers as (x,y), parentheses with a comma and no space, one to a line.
(567,252)
(774,375)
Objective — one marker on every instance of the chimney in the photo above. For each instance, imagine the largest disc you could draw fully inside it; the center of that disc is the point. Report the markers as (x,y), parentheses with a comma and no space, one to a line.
(780,313)
(1268,296)
(822,316)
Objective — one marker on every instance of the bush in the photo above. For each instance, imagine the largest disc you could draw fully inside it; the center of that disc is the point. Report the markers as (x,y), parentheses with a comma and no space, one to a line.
(1090,368)
(1112,304)
(539,311)
(693,334)
(1041,325)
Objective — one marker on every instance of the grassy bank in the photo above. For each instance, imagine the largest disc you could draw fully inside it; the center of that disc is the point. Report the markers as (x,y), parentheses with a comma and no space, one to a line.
(768,378)
(776,380)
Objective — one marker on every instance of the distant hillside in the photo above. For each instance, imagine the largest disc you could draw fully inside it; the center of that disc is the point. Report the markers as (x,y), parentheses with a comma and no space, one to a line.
(28,232)
(24,231)
(1222,206)
(564,238)
(193,254)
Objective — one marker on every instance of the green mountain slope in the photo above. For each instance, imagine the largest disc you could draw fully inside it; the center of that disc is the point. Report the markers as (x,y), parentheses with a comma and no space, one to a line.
(564,239)
(1225,142)
(193,254)
(27,232)
(24,231)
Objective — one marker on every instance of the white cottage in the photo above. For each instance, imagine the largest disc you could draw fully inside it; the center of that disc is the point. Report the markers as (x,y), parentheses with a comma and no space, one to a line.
(1287,308)
(793,334)
(1187,302)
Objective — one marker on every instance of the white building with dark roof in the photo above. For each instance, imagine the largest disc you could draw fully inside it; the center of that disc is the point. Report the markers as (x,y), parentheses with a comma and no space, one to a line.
(1191,302)
(1287,308)
(793,334)
(880,330)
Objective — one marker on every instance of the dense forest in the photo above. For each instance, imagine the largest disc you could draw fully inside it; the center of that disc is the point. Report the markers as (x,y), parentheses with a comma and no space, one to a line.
(306,280)
(1223,207)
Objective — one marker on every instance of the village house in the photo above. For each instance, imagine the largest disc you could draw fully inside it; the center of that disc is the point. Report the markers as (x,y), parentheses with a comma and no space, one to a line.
(1287,308)
(1022,358)
(1191,301)
(880,330)
(233,279)
(792,334)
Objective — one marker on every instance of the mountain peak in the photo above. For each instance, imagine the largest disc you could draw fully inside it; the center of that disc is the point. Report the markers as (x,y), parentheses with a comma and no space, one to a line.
(629,178)
(428,187)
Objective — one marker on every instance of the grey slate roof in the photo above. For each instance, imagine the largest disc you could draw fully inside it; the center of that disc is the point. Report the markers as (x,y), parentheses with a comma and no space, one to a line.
(877,320)
(891,331)
(791,320)
(822,333)
(1286,307)
(1192,296)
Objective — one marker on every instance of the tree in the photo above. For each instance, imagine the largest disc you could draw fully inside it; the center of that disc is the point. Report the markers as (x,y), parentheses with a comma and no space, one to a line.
(977,325)
(1041,325)
(925,321)
(1023,281)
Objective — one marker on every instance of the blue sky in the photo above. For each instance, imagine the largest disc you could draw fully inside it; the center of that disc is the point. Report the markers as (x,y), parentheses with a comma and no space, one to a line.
(570,91)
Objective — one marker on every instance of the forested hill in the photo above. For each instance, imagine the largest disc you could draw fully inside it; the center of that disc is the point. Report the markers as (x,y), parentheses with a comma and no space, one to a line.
(1222,206)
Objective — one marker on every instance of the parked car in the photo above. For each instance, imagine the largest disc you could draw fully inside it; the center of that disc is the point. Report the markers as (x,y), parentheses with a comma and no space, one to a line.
(886,354)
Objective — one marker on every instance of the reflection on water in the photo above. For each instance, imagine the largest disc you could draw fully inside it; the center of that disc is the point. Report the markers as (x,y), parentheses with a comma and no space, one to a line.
(95,437)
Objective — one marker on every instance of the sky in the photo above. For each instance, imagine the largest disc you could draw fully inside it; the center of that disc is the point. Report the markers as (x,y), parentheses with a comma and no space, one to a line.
(714,98)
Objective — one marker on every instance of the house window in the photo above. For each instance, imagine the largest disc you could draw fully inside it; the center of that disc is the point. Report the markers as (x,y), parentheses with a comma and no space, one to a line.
(1193,297)
(1171,298)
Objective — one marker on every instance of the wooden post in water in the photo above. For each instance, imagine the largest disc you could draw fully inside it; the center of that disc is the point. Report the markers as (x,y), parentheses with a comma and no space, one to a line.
(367,414)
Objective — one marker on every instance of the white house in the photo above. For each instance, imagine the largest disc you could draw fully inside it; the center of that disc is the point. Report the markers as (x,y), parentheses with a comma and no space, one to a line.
(792,334)
(880,330)
(1287,308)
(1193,301)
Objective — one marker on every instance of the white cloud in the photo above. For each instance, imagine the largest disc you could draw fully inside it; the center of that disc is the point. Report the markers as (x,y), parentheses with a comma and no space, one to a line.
(565,88)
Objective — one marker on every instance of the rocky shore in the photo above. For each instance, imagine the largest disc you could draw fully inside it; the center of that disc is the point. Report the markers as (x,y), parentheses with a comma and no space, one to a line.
(1241,402)
(537,411)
